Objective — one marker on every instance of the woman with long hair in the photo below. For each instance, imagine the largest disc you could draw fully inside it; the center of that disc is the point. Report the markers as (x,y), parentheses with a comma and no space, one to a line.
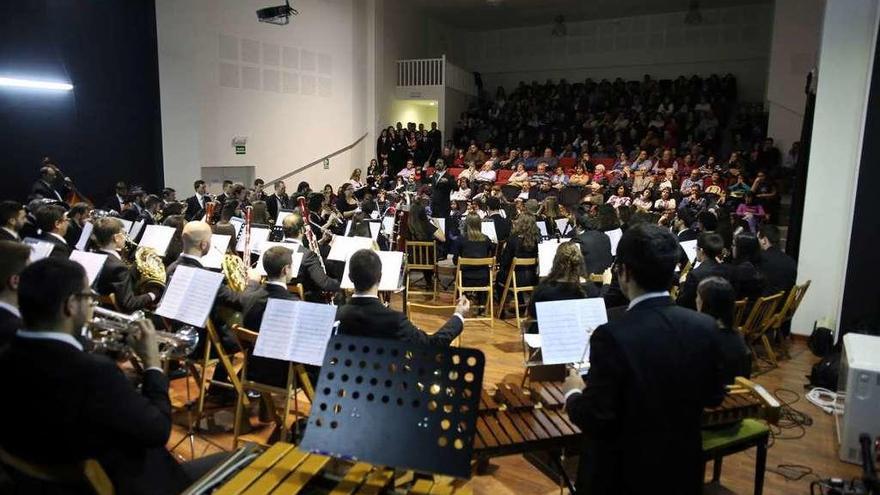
(474,244)
(716,298)
(423,230)
(260,213)
(346,202)
(522,243)
(747,281)
(355,179)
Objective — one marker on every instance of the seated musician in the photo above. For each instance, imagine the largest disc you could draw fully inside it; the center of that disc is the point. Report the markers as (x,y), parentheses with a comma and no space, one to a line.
(365,315)
(716,297)
(115,276)
(637,387)
(709,249)
(595,245)
(523,243)
(567,280)
(311,274)
(13,258)
(12,218)
(474,244)
(497,215)
(51,221)
(77,216)
(93,410)
(423,230)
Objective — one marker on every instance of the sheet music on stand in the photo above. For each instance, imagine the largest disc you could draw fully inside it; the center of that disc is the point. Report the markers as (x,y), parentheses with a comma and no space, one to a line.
(562,226)
(157,237)
(542,227)
(614,236)
(92,262)
(84,236)
(296,257)
(135,229)
(392,265)
(488,229)
(39,249)
(282,214)
(566,326)
(126,224)
(295,331)
(259,235)
(388,224)
(341,248)
(237,223)
(219,244)
(374,229)
(546,252)
(440,223)
(690,249)
(190,295)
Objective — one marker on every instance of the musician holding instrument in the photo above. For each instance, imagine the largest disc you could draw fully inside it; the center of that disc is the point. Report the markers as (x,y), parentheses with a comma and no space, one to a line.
(311,274)
(652,371)
(44,186)
(52,221)
(115,276)
(195,204)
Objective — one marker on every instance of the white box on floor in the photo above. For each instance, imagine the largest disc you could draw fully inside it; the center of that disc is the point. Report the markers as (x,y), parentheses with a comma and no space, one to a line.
(858,394)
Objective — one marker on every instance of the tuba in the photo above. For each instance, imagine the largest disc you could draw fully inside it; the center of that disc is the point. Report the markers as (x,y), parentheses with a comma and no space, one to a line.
(235,272)
(108,331)
(150,271)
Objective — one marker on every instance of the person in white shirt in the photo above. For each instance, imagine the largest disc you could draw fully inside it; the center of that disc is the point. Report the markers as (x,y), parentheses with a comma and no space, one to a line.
(486,175)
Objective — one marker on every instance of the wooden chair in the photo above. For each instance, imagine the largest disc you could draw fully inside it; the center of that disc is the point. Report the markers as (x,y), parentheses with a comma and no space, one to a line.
(739,313)
(511,285)
(421,256)
(298,290)
(297,379)
(786,312)
(460,288)
(88,473)
(444,309)
(759,322)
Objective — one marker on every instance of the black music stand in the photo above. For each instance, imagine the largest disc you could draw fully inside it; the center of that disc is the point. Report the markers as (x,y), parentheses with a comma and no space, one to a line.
(397,404)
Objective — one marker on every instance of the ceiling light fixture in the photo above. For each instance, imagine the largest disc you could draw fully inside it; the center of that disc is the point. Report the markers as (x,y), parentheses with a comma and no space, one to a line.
(34,84)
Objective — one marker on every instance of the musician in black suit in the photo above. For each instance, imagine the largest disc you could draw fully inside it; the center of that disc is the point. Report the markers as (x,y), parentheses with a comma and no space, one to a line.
(778,268)
(312,274)
(115,276)
(443,183)
(13,258)
(12,219)
(226,194)
(44,188)
(716,297)
(195,204)
(595,245)
(502,223)
(152,207)
(683,231)
(104,418)
(709,248)
(51,221)
(652,371)
(365,315)
(278,200)
(119,200)
(77,216)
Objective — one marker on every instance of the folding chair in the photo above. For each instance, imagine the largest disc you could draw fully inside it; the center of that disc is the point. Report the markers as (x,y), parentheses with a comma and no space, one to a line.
(511,285)
(739,313)
(88,473)
(786,313)
(460,288)
(760,321)
(297,379)
(421,256)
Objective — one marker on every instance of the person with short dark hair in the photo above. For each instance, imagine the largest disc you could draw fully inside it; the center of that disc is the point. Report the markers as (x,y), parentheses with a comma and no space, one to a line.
(747,281)
(13,259)
(195,204)
(77,216)
(169,195)
(44,187)
(12,219)
(779,269)
(312,274)
(638,384)
(278,200)
(710,247)
(52,222)
(116,277)
(365,315)
(716,297)
(595,245)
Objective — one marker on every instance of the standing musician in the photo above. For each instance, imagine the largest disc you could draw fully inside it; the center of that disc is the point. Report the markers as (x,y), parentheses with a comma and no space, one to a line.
(365,315)
(51,221)
(652,371)
(279,200)
(311,274)
(115,276)
(104,417)
(44,186)
(13,259)
(443,183)
(195,204)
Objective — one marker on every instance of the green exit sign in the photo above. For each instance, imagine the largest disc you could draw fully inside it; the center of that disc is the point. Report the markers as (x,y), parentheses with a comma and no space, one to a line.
(240,149)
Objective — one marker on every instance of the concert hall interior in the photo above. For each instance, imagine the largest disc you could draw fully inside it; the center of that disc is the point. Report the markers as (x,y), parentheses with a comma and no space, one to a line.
(439,247)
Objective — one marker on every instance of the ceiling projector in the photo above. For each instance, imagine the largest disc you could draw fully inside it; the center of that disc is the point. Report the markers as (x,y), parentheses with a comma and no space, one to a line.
(279,14)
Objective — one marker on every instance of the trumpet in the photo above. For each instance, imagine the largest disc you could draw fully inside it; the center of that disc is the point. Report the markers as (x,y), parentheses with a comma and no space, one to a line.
(108,331)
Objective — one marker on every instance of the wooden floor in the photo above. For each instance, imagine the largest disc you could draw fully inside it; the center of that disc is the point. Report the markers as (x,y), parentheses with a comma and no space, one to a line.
(814,451)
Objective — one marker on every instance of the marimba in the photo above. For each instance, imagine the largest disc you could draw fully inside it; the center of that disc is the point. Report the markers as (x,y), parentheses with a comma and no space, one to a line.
(284,469)
(744,399)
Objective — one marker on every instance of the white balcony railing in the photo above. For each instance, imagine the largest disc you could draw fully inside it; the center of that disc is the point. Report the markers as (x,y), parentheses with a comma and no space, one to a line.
(434,72)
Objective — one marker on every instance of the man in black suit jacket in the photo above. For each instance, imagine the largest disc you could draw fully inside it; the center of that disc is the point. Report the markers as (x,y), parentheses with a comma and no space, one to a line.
(443,183)
(105,418)
(115,276)
(709,247)
(119,200)
(652,371)
(278,201)
(77,216)
(51,221)
(778,268)
(683,230)
(595,245)
(195,204)
(502,223)
(44,188)
(365,315)
(12,219)
(311,273)
(13,258)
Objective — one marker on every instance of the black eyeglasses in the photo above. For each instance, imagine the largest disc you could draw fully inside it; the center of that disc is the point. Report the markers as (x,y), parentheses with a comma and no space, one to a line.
(88,293)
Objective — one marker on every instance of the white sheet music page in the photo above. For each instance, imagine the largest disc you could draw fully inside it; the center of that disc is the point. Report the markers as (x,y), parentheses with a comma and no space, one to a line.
(92,262)
(236,224)
(126,224)
(39,249)
(157,237)
(214,258)
(282,214)
(566,326)
(341,248)
(296,257)
(388,225)
(488,229)
(562,226)
(542,227)
(190,295)
(440,223)
(273,340)
(546,252)
(84,236)
(259,235)
(311,332)
(136,229)
(614,236)
(690,249)
(392,263)
(374,229)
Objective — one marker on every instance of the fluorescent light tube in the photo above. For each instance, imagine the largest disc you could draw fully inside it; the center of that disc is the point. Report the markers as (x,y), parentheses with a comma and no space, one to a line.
(30,83)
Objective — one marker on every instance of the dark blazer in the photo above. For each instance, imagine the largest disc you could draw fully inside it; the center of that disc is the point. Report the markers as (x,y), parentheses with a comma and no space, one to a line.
(112,203)
(313,278)
(736,357)
(61,249)
(652,371)
(596,249)
(779,270)
(687,235)
(525,275)
(368,317)
(6,236)
(440,191)
(687,295)
(502,227)
(73,233)
(116,278)
(474,276)
(194,211)
(274,203)
(104,416)
(264,370)
(9,324)
(41,189)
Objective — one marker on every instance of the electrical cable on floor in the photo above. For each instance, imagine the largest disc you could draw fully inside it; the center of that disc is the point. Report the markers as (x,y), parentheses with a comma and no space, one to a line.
(823,398)
(789,417)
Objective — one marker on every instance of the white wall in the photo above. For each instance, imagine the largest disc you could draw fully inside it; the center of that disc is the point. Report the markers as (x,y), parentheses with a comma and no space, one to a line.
(734,39)
(297,92)
(794,50)
(849,31)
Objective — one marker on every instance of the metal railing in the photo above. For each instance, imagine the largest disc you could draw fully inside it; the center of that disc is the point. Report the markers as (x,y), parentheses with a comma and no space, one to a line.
(421,72)
(319,160)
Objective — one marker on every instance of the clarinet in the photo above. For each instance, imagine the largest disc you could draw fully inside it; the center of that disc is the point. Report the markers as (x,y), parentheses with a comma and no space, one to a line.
(310,236)
(246,232)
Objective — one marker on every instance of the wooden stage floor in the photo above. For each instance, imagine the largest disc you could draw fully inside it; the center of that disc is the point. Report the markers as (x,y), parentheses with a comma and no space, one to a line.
(815,450)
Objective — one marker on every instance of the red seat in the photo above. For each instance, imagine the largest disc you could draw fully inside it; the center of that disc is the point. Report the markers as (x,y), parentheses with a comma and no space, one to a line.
(567,162)
(454,171)
(502,176)
(607,162)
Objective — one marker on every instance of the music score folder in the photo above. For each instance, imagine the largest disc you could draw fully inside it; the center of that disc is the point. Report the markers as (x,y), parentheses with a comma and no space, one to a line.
(190,295)
(295,331)
(566,326)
